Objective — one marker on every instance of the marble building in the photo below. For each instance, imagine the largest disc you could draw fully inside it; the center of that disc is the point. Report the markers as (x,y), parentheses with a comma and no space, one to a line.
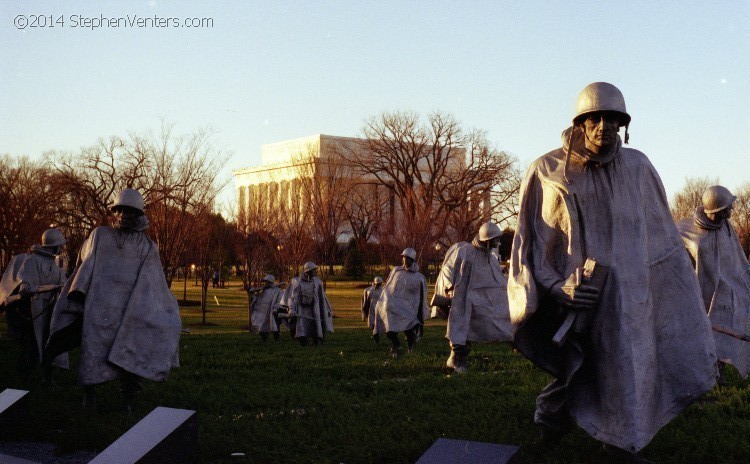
(276,181)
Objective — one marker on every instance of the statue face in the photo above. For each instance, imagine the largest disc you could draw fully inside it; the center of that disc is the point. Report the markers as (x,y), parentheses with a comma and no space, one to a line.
(125,217)
(722,215)
(267,284)
(55,249)
(406,261)
(601,130)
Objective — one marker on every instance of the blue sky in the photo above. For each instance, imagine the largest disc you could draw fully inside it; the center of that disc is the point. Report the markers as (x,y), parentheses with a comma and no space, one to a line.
(271,71)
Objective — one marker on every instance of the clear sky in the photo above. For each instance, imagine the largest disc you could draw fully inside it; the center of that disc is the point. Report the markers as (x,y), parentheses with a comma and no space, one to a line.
(276,70)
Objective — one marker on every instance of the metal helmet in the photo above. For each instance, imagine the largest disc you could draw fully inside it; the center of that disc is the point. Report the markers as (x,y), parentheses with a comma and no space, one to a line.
(488,231)
(410,253)
(600,96)
(129,197)
(377,280)
(269,278)
(716,198)
(52,237)
(309,266)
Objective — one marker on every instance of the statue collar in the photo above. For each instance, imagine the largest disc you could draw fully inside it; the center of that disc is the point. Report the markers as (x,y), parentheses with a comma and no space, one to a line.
(703,222)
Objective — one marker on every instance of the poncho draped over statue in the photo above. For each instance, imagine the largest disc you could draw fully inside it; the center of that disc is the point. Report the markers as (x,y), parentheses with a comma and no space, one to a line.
(724,277)
(37,268)
(307,301)
(369,297)
(261,310)
(403,303)
(650,350)
(479,310)
(130,317)
(10,280)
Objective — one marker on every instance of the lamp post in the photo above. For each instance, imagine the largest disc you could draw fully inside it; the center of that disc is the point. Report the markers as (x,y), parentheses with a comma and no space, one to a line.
(184,284)
(280,247)
(192,267)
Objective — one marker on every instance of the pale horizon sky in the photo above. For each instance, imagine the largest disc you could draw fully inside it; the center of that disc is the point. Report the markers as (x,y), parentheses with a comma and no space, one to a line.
(272,71)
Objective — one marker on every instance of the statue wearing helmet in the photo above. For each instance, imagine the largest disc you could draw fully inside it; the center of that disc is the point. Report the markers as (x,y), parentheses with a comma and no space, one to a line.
(130,198)
(723,273)
(52,238)
(28,291)
(716,199)
(264,309)
(127,210)
(402,305)
(471,278)
(369,298)
(310,313)
(590,206)
(129,319)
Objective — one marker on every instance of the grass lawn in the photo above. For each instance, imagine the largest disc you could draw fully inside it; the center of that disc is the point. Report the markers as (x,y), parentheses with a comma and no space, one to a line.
(347,401)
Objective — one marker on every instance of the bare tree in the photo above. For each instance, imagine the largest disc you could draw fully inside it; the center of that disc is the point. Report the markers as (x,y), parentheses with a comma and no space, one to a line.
(324,186)
(88,182)
(258,225)
(365,211)
(434,170)
(183,183)
(177,175)
(686,200)
(209,237)
(741,216)
(473,202)
(28,205)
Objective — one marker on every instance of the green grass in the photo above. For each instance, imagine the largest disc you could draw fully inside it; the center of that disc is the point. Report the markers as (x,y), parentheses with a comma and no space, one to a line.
(348,402)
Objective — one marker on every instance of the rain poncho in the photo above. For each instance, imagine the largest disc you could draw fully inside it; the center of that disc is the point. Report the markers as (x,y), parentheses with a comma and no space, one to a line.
(633,371)
(724,277)
(369,298)
(403,303)
(479,310)
(36,269)
(307,301)
(261,310)
(130,317)
(10,280)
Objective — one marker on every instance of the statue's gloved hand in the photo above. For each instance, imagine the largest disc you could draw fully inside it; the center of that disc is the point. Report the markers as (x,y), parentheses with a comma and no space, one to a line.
(24,289)
(73,307)
(582,297)
(76,301)
(75,295)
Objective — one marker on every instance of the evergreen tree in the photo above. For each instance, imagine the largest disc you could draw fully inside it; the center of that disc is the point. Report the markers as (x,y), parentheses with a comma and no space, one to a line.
(354,264)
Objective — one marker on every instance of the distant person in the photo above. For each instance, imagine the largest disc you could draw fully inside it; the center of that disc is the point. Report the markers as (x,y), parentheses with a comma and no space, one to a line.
(471,276)
(723,274)
(402,306)
(308,306)
(28,291)
(264,309)
(118,299)
(369,298)
(215,279)
(605,298)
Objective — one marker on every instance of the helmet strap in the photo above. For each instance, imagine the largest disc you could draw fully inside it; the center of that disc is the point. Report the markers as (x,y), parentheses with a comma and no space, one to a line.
(627,136)
(567,153)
